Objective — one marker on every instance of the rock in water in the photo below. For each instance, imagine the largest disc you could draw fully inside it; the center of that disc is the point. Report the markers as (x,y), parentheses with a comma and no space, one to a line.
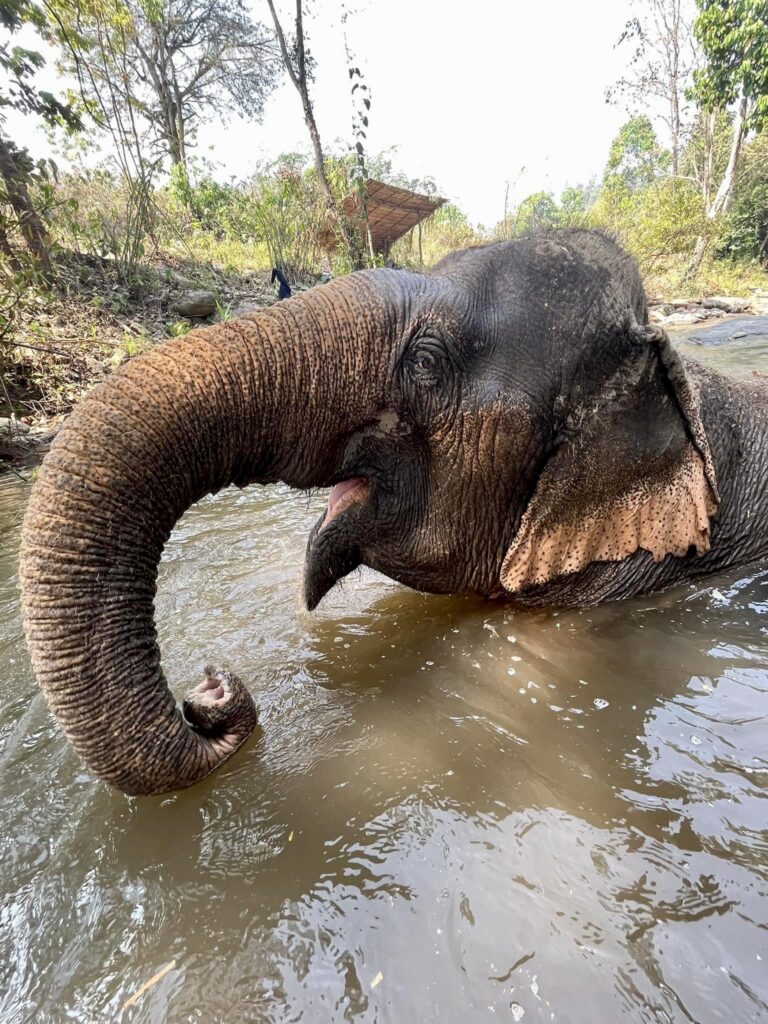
(194,304)
(727,302)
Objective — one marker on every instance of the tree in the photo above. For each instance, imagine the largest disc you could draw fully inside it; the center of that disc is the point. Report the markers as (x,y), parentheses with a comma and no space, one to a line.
(17,169)
(576,202)
(538,210)
(635,156)
(185,59)
(635,162)
(298,64)
(745,234)
(661,66)
(733,35)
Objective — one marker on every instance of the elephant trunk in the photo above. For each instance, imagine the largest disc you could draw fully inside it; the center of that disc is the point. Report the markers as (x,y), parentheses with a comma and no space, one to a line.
(256,399)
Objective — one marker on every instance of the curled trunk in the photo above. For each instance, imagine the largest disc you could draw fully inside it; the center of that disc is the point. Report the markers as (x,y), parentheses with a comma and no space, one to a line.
(252,400)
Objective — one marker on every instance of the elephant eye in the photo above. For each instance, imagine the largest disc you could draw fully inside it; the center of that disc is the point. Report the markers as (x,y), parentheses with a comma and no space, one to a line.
(428,361)
(425,361)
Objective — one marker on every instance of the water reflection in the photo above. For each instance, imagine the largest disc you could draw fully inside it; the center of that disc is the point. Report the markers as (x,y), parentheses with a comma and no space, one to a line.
(453,810)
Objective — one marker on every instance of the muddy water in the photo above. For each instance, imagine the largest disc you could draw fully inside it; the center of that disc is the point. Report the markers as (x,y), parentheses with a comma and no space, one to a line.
(454,812)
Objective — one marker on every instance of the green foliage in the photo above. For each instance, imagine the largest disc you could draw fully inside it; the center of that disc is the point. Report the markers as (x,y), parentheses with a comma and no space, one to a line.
(575,203)
(733,35)
(107,214)
(212,205)
(536,212)
(635,157)
(20,65)
(655,215)
(706,154)
(223,310)
(665,219)
(290,213)
(745,231)
(177,328)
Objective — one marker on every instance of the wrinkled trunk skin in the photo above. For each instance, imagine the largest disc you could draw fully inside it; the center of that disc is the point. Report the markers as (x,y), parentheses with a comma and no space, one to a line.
(269,397)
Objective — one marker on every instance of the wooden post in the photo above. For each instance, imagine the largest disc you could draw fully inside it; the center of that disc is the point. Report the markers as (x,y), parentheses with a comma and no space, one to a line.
(421,254)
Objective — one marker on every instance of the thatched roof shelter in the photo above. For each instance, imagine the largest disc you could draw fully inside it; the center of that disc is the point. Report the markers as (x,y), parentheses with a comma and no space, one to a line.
(392,213)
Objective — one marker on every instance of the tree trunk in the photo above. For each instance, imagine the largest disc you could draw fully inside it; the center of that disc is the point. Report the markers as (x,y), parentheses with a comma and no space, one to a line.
(724,193)
(674,93)
(30,224)
(7,251)
(723,198)
(298,76)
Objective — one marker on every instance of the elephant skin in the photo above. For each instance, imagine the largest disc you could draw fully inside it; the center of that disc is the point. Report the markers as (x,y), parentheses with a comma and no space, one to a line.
(508,424)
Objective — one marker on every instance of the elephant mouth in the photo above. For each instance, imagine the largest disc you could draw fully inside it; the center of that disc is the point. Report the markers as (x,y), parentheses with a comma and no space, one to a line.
(349,492)
(333,547)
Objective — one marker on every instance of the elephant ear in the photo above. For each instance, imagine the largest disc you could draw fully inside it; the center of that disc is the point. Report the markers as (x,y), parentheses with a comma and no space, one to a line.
(632,470)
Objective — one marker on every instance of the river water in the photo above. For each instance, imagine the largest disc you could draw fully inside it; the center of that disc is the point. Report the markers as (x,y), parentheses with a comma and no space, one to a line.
(454,811)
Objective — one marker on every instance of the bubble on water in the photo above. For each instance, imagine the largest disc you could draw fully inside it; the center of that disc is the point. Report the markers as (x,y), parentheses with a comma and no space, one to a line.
(510,672)
(512,639)
(695,741)
(600,703)
(517,1011)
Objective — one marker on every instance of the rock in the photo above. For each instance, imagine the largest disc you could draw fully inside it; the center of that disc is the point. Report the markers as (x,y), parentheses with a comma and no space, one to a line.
(95,366)
(194,304)
(180,280)
(13,426)
(727,303)
(119,356)
(738,334)
(249,304)
(684,317)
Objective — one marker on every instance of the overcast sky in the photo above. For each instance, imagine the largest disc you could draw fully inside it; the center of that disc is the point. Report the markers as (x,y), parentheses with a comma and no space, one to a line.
(473,94)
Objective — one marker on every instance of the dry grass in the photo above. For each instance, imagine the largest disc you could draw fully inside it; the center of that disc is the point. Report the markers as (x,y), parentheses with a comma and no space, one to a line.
(666,279)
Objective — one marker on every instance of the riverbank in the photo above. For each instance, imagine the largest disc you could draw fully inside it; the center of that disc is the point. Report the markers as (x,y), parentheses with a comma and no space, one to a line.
(65,341)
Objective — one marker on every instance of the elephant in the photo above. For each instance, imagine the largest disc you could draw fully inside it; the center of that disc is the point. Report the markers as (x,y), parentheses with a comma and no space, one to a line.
(509,423)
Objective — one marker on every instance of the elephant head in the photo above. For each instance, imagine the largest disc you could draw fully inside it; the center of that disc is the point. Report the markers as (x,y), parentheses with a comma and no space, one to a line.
(499,425)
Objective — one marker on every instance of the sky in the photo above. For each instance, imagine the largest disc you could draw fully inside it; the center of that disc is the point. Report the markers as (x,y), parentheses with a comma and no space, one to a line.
(475,95)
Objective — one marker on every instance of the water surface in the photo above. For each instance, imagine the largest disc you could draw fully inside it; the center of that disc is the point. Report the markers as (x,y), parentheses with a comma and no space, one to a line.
(454,811)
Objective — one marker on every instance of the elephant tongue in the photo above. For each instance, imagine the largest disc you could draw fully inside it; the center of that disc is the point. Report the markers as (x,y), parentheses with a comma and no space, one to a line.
(344,494)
